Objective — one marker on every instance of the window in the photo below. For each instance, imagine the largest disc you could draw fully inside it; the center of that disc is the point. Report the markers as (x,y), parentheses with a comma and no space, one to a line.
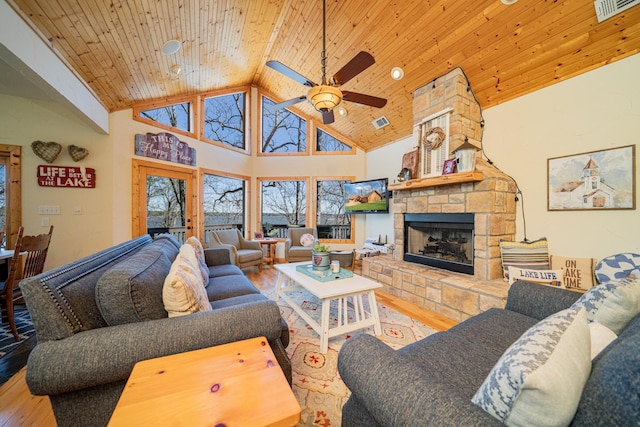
(282,130)
(331,220)
(176,116)
(326,142)
(283,203)
(225,119)
(224,202)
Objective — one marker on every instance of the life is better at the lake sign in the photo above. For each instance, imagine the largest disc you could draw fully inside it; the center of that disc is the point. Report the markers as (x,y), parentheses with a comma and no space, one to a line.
(165,146)
(66,176)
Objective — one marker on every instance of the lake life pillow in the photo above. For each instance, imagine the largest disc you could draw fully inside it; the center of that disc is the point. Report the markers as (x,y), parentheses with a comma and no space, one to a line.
(529,255)
(544,277)
(539,379)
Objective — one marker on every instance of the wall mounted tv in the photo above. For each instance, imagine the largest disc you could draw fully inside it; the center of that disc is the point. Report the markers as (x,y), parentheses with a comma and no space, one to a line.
(370,196)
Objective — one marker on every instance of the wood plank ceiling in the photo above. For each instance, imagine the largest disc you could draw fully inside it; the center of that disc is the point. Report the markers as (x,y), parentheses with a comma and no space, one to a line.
(506,51)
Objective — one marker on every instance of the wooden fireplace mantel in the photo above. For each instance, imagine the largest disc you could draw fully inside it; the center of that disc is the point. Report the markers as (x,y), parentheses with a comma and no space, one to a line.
(436,181)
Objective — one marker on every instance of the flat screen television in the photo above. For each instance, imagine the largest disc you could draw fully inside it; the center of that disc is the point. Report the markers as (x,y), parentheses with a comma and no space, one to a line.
(370,196)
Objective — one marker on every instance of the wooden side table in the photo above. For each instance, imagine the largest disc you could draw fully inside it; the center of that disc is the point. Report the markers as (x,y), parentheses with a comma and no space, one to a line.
(271,249)
(233,384)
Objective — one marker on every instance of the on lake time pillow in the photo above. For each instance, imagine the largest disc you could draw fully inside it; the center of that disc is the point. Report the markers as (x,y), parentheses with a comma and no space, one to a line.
(539,379)
(577,273)
(529,255)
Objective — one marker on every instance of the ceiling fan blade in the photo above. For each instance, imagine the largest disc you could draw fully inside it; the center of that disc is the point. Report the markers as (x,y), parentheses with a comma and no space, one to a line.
(327,117)
(283,69)
(358,64)
(363,99)
(285,104)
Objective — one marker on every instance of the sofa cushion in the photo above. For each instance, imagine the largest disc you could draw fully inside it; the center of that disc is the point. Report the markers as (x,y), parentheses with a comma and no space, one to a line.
(530,255)
(540,378)
(131,291)
(613,303)
(225,270)
(199,251)
(183,291)
(229,286)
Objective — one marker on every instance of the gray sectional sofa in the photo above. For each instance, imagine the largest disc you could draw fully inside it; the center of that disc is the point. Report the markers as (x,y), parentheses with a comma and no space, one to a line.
(96,317)
(432,381)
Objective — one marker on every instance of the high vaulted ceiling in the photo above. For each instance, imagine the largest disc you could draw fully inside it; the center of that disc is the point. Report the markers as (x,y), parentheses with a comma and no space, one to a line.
(506,51)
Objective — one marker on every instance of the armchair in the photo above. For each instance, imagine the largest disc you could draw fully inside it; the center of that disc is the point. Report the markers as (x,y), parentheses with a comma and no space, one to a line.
(244,253)
(293,250)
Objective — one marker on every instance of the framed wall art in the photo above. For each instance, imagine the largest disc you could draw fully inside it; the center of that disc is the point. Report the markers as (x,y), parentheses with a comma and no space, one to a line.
(449,166)
(596,180)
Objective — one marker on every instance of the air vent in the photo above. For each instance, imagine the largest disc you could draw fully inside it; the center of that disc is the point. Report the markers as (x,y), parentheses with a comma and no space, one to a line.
(605,9)
(382,121)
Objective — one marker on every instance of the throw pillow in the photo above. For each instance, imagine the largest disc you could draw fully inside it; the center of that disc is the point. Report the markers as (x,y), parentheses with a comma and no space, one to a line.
(613,303)
(183,291)
(577,273)
(601,336)
(202,264)
(544,277)
(539,379)
(530,255)
(618,266)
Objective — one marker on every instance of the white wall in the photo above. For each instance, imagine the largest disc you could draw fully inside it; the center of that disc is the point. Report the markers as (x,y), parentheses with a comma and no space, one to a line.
(591,112)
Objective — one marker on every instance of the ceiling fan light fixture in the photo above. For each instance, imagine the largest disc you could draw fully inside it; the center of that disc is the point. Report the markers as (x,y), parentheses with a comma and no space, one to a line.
(324,98)
(508,2)
(397,73)
(171,47)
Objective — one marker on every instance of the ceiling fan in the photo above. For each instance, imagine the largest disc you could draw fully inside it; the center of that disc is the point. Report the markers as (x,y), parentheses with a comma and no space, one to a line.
(327,95)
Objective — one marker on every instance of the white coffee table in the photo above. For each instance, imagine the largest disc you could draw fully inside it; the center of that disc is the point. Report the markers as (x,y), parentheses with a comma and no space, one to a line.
(341,290)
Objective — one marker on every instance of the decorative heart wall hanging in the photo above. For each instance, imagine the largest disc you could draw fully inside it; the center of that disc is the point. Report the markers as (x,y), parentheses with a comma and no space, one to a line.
(77,153)
(48,151)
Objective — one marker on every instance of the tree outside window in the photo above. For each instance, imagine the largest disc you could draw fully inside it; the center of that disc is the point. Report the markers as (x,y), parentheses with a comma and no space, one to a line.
(175,116)
(282,130)
(331,220)
(224,201)
(165,202)
(283,204)
(326,142)
(224,119)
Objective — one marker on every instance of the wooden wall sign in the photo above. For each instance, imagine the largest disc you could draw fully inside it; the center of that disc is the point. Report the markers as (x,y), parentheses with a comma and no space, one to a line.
(66,176)
(165,146)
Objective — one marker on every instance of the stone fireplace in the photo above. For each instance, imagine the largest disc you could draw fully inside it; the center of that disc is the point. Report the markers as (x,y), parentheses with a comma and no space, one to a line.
(486,194)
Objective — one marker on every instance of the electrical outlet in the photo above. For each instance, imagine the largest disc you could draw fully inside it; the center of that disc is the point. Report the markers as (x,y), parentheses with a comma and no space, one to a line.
(44,222)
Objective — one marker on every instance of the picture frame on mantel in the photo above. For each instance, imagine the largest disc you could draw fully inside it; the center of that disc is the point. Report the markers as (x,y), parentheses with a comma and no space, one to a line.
(595,180)
(449,166)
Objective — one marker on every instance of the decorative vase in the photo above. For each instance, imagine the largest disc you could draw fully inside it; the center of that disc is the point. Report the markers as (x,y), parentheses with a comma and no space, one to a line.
(321,260)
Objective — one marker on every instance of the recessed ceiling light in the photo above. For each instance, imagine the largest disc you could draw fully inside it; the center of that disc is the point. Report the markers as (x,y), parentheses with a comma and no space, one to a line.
(397,73)
(507,2)
(175,70)
(171,47)
(342,111)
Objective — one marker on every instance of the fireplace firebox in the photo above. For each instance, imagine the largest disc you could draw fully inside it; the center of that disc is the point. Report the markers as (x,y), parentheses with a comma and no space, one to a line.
(443,240)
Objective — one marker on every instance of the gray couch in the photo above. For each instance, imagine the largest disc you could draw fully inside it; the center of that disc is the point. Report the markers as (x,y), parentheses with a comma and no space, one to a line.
(432,381)
(96,317)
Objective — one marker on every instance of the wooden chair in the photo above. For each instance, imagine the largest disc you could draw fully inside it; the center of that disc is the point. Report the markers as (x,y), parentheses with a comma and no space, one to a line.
(30,252)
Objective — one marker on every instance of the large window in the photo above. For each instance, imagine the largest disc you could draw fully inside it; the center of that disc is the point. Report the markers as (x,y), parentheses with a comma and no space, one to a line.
(283,204)
(224,202)
(331,220)
(225,119)
(326,142)
(176,116)
(282,130)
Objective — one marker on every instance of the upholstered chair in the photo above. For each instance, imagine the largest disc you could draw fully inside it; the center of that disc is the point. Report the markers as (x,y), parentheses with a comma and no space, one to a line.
(244,253)
(293,250)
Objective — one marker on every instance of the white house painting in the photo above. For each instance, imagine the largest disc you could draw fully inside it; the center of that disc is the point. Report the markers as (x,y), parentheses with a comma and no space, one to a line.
(596,180)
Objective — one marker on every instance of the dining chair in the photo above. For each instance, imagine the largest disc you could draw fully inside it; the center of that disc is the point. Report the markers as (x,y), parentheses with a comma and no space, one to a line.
(29,255)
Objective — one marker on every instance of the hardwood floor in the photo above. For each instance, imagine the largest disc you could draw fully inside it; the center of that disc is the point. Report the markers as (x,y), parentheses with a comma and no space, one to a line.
(19,408)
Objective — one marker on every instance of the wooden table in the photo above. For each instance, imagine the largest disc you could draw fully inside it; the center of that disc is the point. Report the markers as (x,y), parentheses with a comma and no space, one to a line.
(237,384)
(271,249)
(340,290)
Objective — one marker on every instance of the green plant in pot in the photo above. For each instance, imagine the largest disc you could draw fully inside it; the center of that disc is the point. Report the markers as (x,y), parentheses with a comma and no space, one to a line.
(320,256)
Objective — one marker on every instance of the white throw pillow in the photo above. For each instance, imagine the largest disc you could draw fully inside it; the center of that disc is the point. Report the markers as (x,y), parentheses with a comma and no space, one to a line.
(544,277)
(199,251)
(183,291)
(601,336)
(612,303)
(538,381)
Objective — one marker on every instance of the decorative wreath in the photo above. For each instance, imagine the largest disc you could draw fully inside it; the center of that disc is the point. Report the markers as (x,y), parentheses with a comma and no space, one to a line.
(433,138)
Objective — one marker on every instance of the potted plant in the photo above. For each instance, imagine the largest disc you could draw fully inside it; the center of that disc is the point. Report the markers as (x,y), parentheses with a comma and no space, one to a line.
(320,256)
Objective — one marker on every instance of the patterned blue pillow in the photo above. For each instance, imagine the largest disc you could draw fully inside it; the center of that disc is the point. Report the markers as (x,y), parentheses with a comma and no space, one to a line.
(617,267)
(539,379)
(613,303)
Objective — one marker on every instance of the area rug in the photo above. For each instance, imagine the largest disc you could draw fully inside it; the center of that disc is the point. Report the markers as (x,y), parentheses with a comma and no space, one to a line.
(24,325)
(316,382)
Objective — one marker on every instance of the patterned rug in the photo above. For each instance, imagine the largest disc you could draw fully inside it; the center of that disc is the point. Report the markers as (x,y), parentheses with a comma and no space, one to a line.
(25,330)
(316,382)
